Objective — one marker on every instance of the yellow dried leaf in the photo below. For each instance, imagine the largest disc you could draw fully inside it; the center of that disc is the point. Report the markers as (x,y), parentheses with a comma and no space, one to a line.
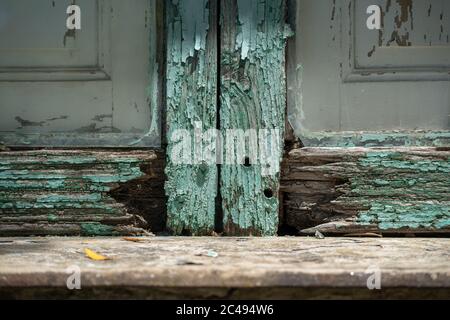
(94,255)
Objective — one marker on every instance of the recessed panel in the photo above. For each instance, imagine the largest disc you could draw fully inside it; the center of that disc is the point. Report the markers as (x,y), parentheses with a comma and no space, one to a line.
(413,34)
(96,87)
(34,34)
(344,80)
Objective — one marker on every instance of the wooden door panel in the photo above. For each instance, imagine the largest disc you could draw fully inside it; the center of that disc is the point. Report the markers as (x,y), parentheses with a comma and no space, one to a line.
(345,79)
(95,87)
(414,35)
(33,35)
(83,104)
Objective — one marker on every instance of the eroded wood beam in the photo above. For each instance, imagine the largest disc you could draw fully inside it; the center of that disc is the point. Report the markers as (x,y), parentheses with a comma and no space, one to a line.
(62,192)
(364,190)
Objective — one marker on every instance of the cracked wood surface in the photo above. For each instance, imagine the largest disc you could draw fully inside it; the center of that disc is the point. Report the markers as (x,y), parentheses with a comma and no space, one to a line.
(253,97)
(226,262)
(79,192)
(191,97)
(360,190)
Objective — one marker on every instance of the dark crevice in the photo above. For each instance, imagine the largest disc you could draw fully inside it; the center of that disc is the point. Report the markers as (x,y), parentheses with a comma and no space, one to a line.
(145,197)
(287,231)
(219,226)
(268,193)
(186,233)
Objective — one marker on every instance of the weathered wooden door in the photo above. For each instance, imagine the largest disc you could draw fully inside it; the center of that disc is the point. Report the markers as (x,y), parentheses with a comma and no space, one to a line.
(90,87)
(350,84)
(98,87)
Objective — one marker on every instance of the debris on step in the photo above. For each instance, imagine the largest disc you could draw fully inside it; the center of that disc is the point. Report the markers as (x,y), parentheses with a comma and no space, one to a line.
(208,253)
(95,256)
(319,235)
(137,240)
(212,254)
(364,235)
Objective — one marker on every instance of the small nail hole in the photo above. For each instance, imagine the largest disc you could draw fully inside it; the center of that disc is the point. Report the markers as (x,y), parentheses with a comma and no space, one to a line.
(268,193)
(247,162)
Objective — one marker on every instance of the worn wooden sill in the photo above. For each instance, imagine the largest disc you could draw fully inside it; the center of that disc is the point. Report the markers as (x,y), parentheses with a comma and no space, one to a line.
(81,192)
(395,190)
(225,267)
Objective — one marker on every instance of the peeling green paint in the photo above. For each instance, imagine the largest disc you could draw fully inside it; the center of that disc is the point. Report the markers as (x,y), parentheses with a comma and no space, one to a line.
(57,198)
(64,187)
(401,191)
(55,184)
(191,98)
(396,160)
(97,229)
(31,204)
(376,139)
(357,190)
(71,160)
(397,215)
(253,96)
(52,218)
(126,173)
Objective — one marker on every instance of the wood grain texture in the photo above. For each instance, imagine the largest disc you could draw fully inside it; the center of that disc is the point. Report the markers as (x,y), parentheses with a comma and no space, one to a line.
(191,105)
(61,192)
(253,97)
(258,263)
(360,190)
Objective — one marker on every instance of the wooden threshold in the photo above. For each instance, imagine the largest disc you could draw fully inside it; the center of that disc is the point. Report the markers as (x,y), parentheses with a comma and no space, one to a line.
(287,267)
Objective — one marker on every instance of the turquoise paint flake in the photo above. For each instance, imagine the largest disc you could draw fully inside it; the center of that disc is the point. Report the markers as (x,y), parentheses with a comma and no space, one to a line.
(396,215)
(374,139)
(57,198)
(414,196)
(52,218)
(97,229)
